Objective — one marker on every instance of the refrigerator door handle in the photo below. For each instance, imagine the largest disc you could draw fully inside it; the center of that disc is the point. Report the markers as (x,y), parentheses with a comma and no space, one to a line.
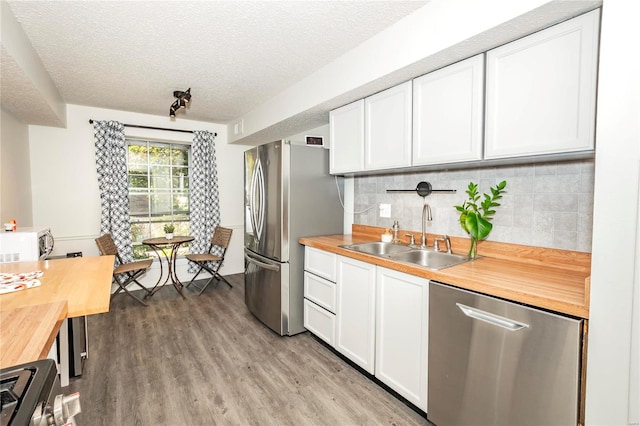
(490,318)
(269,266)
(256,200)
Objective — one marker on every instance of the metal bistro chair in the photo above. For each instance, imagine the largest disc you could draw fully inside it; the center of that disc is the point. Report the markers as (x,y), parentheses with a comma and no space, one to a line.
(221,238)
(129,271)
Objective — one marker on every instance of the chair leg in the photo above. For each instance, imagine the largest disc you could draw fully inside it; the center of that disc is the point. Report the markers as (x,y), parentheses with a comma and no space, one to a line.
(206,284)
(220,277)
(215,276)
(130,294)
(123,287)
(194,277)
(146,290)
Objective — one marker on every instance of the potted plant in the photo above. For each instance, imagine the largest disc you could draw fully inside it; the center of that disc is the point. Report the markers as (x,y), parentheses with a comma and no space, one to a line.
(476,215)
(168,231)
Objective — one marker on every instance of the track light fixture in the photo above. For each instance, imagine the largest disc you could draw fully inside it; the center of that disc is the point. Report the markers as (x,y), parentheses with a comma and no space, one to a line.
(182,99)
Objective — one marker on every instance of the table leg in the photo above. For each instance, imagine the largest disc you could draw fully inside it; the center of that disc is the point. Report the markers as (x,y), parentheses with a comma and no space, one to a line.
(157,286)
(64,354)
(172,270)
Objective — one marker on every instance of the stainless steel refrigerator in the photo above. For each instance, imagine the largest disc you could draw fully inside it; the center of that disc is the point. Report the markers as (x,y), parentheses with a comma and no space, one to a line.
(289,194)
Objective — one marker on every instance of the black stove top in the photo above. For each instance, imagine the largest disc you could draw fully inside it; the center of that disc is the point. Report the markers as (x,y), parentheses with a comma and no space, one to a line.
(23,388)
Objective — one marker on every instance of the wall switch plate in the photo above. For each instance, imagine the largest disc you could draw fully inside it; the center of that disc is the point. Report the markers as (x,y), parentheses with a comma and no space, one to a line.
(385,210)
(238,128)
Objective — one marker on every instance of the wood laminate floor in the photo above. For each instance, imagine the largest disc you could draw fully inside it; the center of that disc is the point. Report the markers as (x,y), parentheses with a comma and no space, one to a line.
(207,361)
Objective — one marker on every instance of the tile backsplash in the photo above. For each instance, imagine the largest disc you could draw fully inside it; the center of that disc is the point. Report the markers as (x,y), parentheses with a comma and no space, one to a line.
(545,204)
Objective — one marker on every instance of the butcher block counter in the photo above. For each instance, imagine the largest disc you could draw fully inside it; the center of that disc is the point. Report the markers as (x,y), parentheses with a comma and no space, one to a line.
(27,333)
(557,280)
(31,318)
(83,282)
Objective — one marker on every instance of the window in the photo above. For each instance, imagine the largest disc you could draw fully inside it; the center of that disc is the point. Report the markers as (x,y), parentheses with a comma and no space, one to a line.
(158,190)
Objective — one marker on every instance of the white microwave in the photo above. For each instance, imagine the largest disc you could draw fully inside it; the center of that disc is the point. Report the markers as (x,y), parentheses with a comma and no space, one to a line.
(25,244)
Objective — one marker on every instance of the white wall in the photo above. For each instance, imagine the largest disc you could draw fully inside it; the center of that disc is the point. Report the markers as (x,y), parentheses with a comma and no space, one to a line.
(15,179)
(612,390)
(65,186)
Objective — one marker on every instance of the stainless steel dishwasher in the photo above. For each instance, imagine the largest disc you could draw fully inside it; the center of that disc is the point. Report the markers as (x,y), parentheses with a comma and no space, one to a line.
(493,362)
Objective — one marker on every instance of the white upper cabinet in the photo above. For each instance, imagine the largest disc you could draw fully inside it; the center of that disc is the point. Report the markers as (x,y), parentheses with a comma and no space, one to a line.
(447,113)
(346,129)
(541,91)
(388,128)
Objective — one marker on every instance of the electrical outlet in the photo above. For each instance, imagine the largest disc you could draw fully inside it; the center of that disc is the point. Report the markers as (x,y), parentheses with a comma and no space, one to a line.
(385,210)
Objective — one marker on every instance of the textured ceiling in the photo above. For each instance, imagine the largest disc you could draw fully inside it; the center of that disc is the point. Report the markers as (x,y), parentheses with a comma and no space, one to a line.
(235,55)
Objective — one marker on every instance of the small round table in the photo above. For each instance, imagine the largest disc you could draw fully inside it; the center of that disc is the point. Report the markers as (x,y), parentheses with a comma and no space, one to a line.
(161,244)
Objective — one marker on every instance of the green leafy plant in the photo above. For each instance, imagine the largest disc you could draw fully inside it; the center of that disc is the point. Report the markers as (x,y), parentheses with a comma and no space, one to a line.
(477,212)
(169,228)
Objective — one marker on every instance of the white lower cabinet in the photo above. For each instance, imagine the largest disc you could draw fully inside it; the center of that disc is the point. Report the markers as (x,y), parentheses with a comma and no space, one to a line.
(402,320)
(320,322)
(320,294)
(355,311)
(374,316)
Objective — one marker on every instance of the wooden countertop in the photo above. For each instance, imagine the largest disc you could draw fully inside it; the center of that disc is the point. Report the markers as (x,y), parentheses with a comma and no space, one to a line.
(30,319)
(552,279)
(84,283)
(27,333)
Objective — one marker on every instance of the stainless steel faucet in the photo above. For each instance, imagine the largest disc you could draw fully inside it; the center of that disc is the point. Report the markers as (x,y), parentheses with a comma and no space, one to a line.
(445,239)
(426,216)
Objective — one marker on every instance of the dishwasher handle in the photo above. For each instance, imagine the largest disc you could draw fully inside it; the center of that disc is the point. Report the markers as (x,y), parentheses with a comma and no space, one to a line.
(264,265)
(490,318)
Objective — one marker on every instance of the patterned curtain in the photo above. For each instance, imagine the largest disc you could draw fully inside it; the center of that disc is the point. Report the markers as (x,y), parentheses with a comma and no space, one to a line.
(204,200)
(111,164)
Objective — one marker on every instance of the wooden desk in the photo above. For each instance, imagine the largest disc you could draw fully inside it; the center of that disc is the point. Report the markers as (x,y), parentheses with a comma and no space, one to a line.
(39,326)
(82,284)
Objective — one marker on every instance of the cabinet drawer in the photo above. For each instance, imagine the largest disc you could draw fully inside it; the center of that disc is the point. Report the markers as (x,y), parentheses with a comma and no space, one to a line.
(320,322)
(320,262)
(320,291)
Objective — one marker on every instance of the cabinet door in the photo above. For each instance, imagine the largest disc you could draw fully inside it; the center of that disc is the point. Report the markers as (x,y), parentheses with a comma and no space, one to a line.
(447,113)
(320,322)
(355,311)
(346,131)
(541,91)
(321,263)
(388,128)
(402,316)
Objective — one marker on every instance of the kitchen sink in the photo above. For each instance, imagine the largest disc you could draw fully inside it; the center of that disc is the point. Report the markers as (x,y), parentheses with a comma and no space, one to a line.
(426,258)
(377,248)
(429,259)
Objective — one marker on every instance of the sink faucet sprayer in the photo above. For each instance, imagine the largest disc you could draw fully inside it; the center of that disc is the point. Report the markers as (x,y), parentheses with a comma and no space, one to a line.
(426,215)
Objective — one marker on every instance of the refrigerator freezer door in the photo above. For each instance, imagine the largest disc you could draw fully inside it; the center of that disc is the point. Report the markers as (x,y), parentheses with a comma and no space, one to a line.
(493,362)
(264,200)
(267,291)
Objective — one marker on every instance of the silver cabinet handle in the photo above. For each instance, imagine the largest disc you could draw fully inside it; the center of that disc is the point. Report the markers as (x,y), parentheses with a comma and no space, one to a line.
(491,318)
(262,264)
